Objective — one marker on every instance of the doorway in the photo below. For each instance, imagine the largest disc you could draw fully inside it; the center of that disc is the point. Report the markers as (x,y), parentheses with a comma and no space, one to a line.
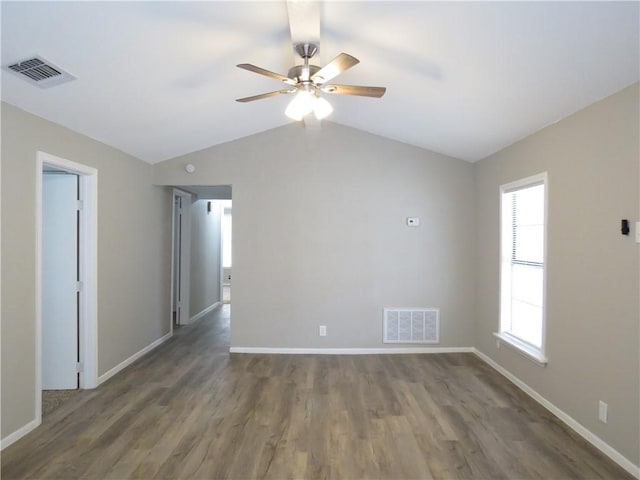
(181,258)
(197,277)
(60,280)
(66,278)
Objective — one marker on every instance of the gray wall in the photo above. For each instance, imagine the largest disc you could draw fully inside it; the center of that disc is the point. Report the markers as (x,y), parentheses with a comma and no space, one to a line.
(134,251)
(320,238)
(204,283)
(593,286)
(319,234)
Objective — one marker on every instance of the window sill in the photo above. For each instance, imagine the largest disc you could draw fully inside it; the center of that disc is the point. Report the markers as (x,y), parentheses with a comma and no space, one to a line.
(523,348)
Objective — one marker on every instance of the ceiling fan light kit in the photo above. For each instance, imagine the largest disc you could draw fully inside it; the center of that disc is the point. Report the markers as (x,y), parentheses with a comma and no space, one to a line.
(308,81)
(306,102)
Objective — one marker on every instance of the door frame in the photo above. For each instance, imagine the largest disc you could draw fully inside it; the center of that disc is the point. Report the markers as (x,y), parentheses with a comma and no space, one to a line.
(222,267)
(220,255)
(182,314)
(88,258)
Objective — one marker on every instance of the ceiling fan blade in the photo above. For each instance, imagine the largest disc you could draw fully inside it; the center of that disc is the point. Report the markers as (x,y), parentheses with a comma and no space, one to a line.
(355,90)
(335,67)
(264,95)
(267,73)
(304,21)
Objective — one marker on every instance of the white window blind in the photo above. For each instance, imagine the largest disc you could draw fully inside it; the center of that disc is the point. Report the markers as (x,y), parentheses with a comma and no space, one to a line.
(523,224)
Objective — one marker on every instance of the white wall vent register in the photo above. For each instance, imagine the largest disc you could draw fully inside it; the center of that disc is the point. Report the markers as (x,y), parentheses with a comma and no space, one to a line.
(40,72)
(411,325)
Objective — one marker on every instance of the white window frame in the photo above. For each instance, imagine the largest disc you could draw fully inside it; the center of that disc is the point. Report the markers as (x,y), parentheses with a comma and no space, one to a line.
(537,354)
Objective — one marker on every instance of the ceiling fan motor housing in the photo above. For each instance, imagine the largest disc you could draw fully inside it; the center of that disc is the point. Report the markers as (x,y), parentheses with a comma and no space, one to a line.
(302,73)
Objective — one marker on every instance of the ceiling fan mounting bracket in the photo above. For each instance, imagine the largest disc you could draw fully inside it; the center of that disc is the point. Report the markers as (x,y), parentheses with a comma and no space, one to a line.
(306,50)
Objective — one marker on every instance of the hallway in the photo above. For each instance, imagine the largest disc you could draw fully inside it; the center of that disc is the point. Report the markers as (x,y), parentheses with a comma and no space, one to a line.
(190,410)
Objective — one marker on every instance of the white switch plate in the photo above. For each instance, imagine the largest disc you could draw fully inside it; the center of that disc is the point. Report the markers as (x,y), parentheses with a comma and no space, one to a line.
(413,221)
(322,331)
(602,411)
(637,232)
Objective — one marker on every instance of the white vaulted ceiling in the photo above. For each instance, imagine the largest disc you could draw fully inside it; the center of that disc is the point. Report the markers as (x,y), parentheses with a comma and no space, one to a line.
(158,79)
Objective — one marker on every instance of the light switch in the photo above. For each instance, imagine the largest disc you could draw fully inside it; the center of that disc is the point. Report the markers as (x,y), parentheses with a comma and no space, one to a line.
(413,221)
(637,232)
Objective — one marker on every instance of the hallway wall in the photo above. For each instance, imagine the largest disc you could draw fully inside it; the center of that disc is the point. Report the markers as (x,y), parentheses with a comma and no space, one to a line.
(134,230)
(205,256)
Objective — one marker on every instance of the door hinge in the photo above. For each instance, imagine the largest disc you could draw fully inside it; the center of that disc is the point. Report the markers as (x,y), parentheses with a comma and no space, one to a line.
(79,286)
(80,205)
(79,367)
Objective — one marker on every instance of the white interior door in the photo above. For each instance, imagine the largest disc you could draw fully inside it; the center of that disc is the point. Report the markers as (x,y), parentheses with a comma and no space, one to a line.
(181,256)
(59,281)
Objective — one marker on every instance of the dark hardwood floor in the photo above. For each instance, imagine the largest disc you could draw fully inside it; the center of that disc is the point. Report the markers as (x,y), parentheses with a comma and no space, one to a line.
(190,410)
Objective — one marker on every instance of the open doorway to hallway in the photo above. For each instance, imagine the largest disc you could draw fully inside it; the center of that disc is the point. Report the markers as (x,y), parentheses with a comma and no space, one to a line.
(201,260)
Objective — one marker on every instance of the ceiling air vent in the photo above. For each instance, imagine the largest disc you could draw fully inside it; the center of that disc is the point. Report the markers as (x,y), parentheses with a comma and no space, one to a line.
(40,72)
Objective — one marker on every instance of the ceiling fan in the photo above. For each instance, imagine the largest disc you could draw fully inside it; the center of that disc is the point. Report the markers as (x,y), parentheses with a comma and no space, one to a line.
(308,81)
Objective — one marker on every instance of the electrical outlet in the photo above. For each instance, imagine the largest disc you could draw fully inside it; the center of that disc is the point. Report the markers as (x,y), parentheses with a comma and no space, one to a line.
(602,411)
(323,330)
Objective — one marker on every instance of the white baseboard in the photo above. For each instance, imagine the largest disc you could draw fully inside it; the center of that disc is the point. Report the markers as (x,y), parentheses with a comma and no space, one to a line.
(350,351)
(33,424)
(107,375)
(18,434)
(201,314)
(589,436)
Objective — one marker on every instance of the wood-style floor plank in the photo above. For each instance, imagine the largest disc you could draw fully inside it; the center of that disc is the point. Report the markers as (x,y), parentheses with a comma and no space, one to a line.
(191,410)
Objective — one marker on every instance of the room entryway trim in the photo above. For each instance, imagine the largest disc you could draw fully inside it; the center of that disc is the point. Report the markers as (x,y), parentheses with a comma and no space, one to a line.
(88,340)
(181,248)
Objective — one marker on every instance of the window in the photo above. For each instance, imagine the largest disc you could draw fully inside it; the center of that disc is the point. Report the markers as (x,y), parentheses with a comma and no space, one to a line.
(523,260)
